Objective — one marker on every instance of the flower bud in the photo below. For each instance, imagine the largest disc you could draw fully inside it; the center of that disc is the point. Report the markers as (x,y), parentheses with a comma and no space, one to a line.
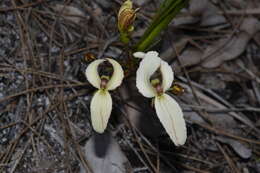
(126,17)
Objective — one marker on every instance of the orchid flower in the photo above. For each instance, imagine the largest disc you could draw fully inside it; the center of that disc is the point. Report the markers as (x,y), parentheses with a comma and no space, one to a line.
(101,103)
(167,109)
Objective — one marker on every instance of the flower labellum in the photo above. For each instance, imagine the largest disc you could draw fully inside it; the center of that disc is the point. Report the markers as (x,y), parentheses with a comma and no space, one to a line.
(167,109)
(101,103)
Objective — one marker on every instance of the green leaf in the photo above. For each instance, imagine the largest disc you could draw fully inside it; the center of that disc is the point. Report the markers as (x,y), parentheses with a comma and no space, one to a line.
(167,11)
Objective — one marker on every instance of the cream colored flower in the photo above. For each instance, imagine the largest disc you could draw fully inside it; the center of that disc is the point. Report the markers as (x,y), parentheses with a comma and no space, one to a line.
(101,103)
(168,110)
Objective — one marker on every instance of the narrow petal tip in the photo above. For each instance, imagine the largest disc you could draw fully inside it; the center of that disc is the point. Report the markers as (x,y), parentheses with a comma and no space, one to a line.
(139,55)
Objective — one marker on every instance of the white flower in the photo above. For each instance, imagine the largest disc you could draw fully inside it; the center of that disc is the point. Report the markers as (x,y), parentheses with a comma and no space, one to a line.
(101,103)
(167,109)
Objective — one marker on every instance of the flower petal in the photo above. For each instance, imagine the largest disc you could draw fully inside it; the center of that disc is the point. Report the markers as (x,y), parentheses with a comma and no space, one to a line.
(167,75)
(146,69)
(143,55)
(139,54)
(92,73)
(117,75)
(171,117)
(100,109)
(152,54)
